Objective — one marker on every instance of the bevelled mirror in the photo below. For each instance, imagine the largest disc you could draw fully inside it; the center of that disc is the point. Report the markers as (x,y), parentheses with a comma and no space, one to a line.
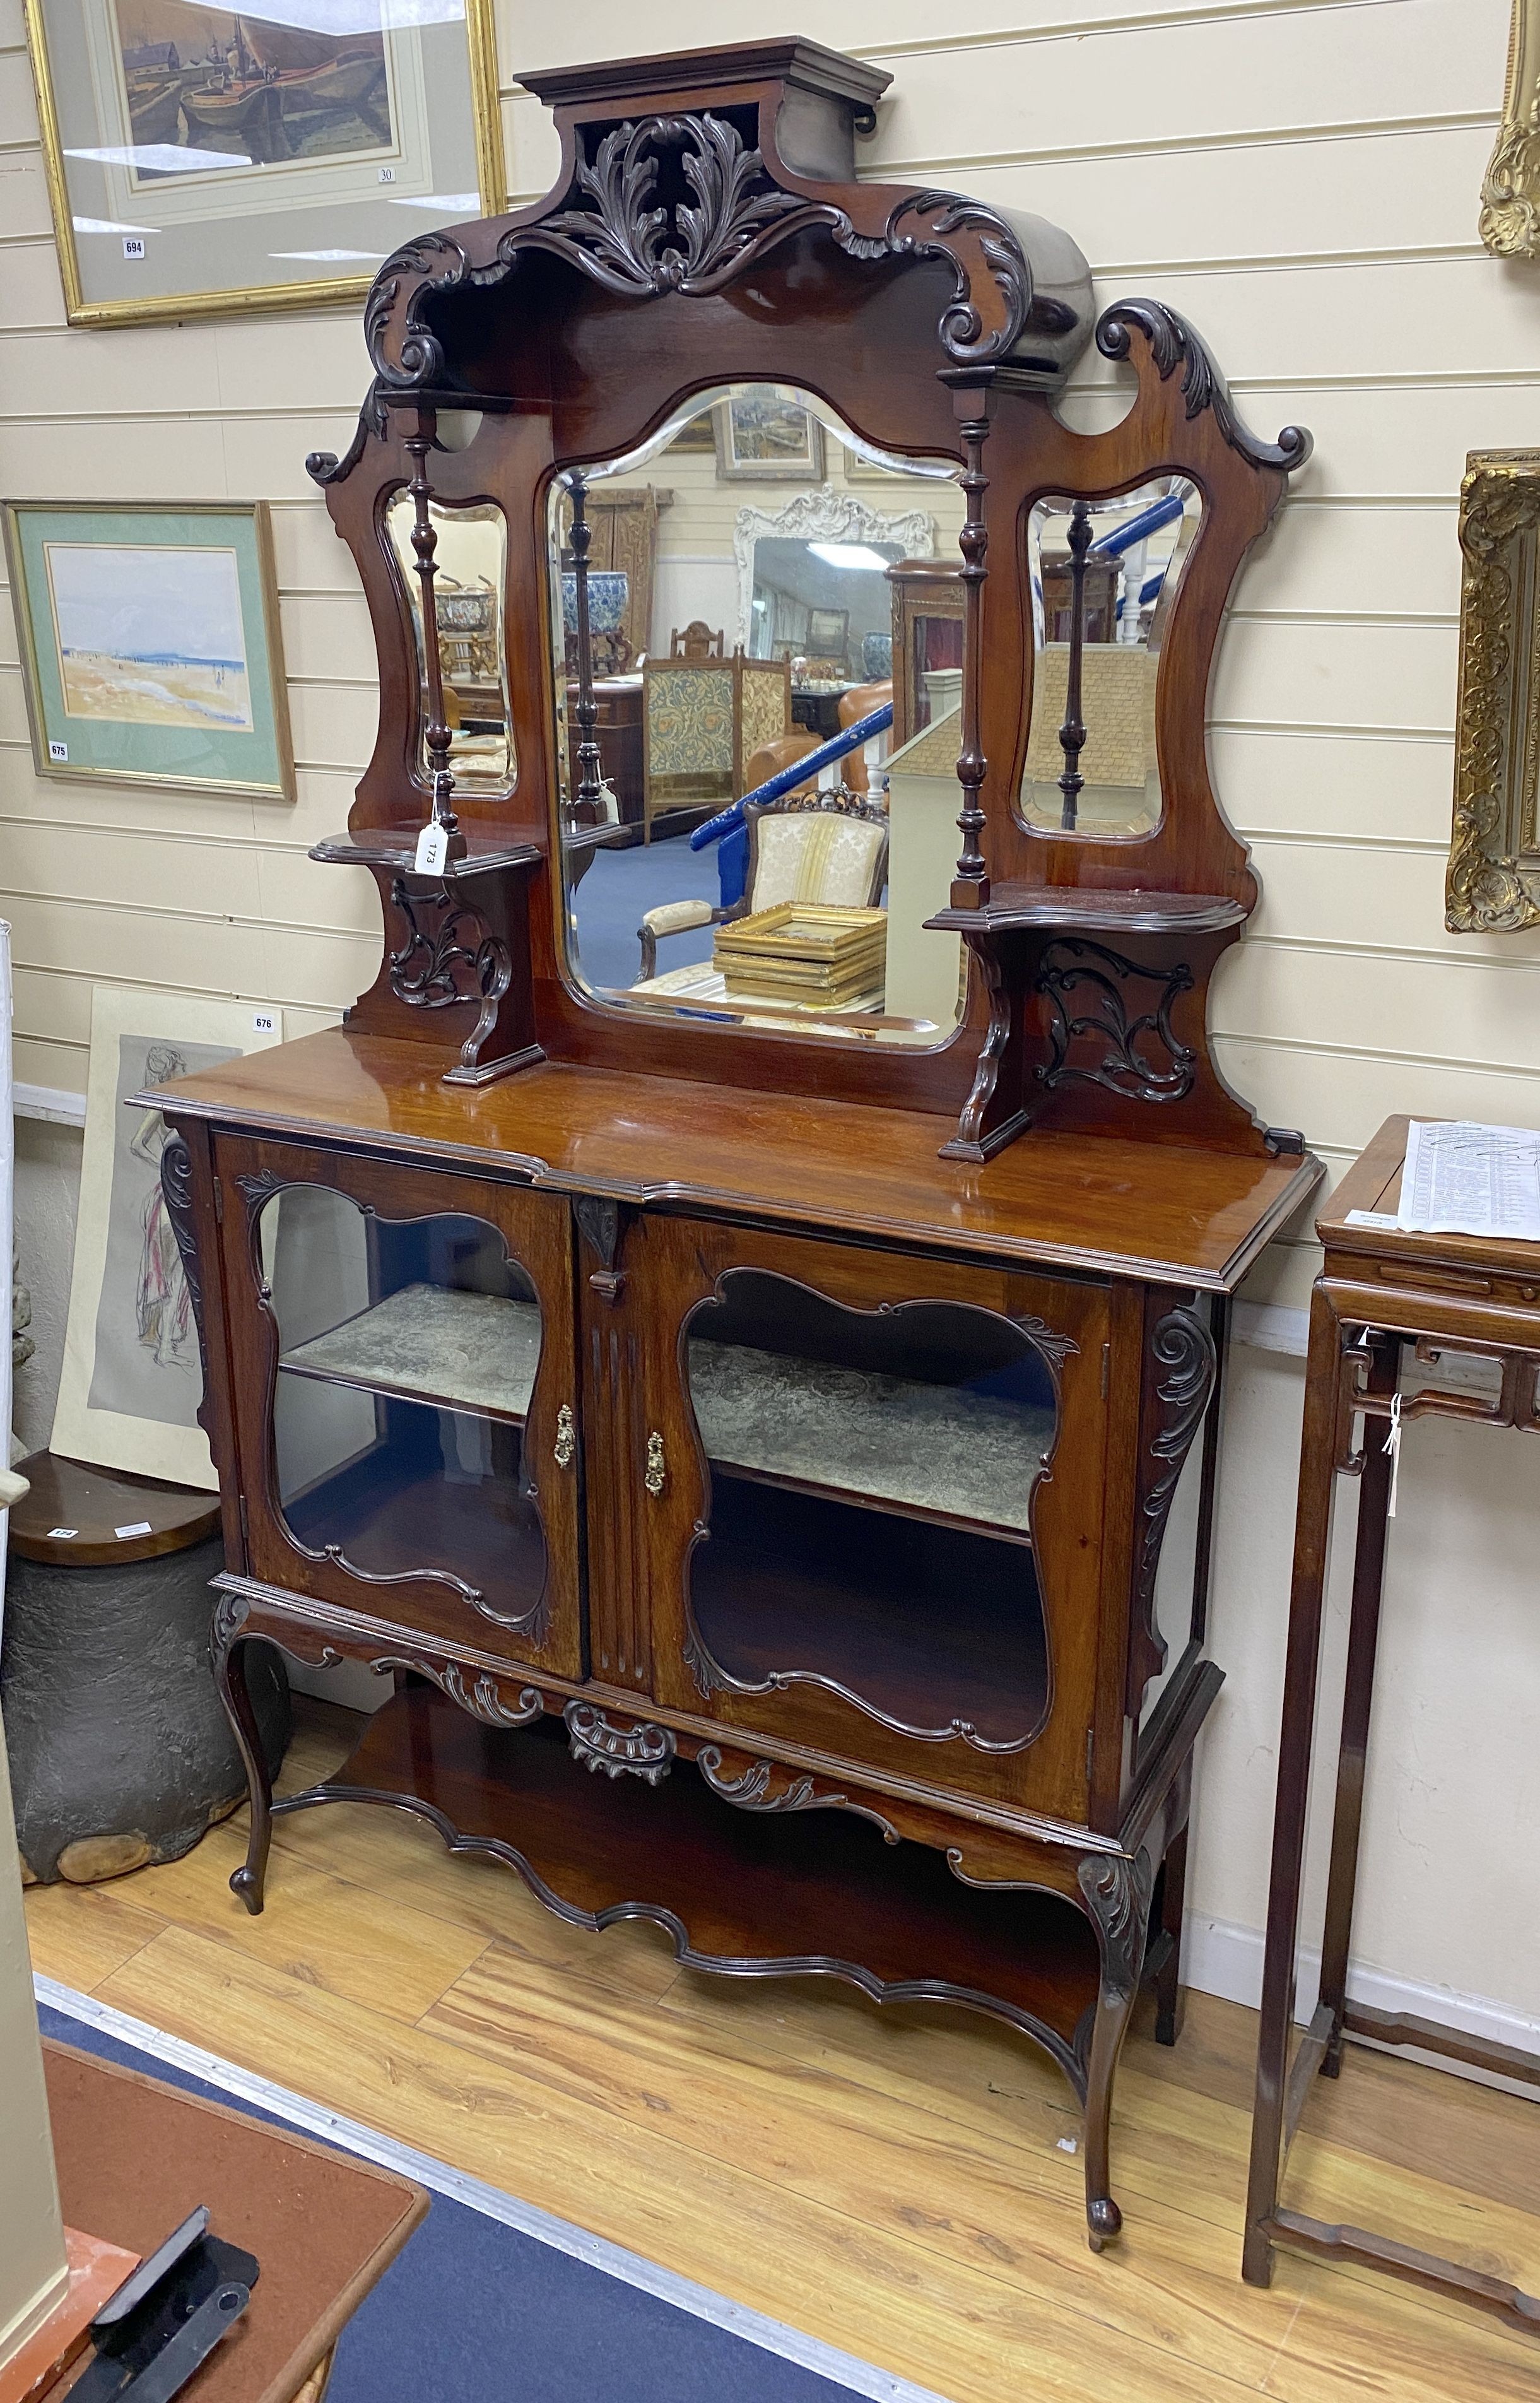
(753,832)
(1104,576)
(470,562)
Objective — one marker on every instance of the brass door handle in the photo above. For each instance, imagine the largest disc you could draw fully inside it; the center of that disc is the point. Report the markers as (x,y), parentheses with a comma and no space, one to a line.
(565,1447)
(657,1471)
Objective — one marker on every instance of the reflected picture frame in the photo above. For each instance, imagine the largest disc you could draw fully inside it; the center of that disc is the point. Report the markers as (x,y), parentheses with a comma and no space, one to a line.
(413,121)
(1510,191)
(150,644)
(766,437)
(1493,878)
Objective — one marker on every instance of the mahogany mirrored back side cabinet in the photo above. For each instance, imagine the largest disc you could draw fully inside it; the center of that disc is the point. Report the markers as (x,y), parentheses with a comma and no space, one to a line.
(731,1326)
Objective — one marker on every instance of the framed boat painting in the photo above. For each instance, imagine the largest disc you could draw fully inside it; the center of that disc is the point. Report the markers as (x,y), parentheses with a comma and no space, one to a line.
(202,160)
(149,643)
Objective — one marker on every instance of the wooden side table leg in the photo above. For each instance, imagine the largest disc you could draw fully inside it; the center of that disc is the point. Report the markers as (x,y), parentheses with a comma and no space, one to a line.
(1311,1545)
(1173,1891)
(1368,1572)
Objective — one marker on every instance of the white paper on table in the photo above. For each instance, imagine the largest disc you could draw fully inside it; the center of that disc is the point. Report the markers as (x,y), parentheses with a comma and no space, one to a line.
(1462,1178)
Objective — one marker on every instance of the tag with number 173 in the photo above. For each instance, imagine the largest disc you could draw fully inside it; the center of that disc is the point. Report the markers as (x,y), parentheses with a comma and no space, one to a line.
(433,846)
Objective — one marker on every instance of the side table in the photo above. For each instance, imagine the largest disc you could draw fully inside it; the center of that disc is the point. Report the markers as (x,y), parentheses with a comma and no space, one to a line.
(1379,1291)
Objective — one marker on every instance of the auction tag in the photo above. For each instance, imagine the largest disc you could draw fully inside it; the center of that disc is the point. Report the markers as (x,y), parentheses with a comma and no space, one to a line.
(263,1022)
(140,1527)
(62,1534)
(433,850)
(133,245)
(60,751)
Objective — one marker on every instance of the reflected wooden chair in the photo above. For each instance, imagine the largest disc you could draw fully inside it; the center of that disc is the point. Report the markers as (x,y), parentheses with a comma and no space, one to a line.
(702,719)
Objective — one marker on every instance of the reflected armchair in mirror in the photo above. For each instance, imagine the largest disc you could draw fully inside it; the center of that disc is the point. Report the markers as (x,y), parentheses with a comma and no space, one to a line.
(784,1379)
(828,850)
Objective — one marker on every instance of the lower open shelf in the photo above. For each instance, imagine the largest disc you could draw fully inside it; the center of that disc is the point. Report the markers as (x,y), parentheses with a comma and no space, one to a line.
(811,1891)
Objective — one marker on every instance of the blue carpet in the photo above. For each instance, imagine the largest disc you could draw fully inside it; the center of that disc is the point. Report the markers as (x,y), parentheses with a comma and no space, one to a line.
(473,2309)
(623,884)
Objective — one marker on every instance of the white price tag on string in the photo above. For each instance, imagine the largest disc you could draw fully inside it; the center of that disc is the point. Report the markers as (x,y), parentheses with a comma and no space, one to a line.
(433,850)
(1393,1445)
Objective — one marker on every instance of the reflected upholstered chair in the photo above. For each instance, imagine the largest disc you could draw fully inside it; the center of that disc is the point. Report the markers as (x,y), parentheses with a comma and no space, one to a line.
(702,718)
(830,848)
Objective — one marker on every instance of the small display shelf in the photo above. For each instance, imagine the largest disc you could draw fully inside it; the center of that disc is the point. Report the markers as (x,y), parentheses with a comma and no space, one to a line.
(408,1501)
(431,1343)
(1095,910)
(933,1630)
(933,1452)
(813,1891)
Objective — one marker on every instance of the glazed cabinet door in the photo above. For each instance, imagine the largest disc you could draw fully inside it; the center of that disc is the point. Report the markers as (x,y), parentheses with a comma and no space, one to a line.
(863,1494)
(405,1395)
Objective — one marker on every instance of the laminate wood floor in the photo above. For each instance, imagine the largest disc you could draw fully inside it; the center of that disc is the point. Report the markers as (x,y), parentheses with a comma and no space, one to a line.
(893,2181)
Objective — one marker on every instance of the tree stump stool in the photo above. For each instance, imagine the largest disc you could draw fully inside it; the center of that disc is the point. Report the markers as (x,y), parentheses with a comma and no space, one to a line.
(120,1752)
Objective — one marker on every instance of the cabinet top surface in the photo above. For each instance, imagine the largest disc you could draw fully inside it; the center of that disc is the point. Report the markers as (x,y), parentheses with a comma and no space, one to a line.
(1144,1210)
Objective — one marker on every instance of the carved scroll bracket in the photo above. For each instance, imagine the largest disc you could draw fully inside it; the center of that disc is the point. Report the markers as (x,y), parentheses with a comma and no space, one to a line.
(643,1750)
(1182,1347)
(755,1790)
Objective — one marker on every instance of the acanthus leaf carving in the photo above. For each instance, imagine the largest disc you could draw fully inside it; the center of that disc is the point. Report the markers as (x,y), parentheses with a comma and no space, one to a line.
(1173,343)
(1183,1346)
(611,225)
(1118,1893)
(754,1790)
(483,1700)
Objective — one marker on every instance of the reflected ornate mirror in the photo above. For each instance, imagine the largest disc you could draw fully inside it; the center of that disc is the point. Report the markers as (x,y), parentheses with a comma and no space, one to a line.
(706,878)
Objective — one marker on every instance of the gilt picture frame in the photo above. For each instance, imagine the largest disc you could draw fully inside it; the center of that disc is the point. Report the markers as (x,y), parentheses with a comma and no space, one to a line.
(1510,193)
(200,161)
(1493,879)
(150,643)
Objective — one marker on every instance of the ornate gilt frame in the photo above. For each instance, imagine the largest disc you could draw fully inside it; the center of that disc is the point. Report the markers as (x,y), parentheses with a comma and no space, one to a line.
(165,308)
(1493,884)
(1510,195)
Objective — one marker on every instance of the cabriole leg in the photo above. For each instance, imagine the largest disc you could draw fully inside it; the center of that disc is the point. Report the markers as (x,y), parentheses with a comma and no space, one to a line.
(1117,1896)
(228,1655)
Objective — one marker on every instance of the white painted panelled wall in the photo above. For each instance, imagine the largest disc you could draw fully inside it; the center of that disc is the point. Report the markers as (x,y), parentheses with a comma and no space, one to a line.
(1301,178)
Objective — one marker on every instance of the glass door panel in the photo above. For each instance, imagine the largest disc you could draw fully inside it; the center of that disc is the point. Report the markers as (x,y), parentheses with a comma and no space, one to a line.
(871,1523)
(408,1418)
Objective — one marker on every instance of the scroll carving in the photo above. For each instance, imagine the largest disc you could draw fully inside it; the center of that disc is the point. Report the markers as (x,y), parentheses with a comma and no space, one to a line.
(643,1750)
(483,1701)
(599,1222)
(1184,1348)
(724,211)
(1130,1047)
(1491,888)
(1117,1896)
(1174,344)
(230,1614)
(753,1791)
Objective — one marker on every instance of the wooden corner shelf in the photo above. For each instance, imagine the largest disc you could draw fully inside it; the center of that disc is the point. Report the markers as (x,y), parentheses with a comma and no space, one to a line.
(1083,909)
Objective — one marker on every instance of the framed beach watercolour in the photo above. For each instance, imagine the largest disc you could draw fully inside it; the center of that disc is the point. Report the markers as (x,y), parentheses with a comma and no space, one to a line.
(132,1375)
(200,159)
(149,643)
(762,434)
